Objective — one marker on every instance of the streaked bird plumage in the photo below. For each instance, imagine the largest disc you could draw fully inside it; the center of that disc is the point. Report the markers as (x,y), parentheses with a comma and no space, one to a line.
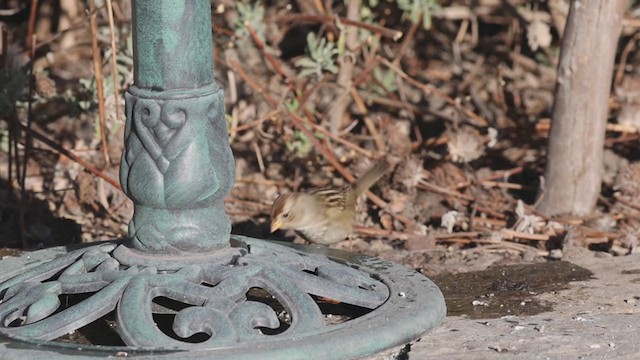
(323,216)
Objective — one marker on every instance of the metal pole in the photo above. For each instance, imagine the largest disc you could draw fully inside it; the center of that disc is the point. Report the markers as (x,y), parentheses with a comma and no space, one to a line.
(180,264)
(177,165)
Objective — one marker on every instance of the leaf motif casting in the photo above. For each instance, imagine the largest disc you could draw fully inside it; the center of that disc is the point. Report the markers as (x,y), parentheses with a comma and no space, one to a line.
(213,290)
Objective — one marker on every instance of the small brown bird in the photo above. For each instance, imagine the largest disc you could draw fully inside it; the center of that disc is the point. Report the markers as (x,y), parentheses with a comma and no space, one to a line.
(323,216)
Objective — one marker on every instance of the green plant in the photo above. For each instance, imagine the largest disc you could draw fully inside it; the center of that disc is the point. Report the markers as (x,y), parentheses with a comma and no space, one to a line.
(367,15)
(124,66)
(292,104)
(385,81)
(253,14)
(4,141)
(543,57)
(301,145)
(416,7)
(322,57)
(229,120)
(89,86)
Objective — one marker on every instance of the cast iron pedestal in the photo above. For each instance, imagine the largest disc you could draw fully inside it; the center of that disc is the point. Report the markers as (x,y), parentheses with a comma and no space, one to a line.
(180,287)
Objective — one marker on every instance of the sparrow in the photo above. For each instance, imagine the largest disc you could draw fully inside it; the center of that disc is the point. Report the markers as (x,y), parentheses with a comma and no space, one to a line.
(323,216)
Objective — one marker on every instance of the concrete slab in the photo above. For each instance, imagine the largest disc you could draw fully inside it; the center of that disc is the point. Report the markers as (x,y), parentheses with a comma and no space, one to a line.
(597,318)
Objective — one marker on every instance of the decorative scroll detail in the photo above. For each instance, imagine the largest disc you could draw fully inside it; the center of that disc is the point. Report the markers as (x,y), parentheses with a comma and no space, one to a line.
(177,167)
(212,287)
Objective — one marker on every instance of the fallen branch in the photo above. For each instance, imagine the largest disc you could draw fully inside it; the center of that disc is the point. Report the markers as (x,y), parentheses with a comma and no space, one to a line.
(276,65)
(97,67)
(506,185)
(431,90)
(505,245)
(281,72)
(400,235)
(114,62)
(59,149)
(512,234)
(544,125)
(497,175)
(313,19)
(490,221)
(239,128)
(441,190)
(302,125)
(346,62)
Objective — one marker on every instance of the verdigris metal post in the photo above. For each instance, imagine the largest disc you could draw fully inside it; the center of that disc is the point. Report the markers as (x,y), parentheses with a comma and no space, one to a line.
(219,295)
(177,165)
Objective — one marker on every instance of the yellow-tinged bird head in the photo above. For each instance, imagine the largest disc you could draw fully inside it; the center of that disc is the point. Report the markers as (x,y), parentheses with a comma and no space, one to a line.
(292,211)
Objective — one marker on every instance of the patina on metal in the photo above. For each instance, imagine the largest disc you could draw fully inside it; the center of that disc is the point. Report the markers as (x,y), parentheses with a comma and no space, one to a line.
(180,260)
(177,165)
(400,304)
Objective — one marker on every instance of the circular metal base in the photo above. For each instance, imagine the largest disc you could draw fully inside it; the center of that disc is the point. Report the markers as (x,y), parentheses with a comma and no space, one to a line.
(253,300)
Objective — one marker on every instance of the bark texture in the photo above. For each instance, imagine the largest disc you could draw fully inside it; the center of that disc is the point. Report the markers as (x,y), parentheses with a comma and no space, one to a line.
(573,173)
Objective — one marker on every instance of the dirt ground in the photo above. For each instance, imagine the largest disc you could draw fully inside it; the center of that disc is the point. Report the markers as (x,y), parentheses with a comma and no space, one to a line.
(595,318)
(459,105)
(457,99)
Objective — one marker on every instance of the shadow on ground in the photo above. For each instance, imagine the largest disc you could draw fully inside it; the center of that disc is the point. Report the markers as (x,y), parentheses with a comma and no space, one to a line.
(30,224)
(507,290)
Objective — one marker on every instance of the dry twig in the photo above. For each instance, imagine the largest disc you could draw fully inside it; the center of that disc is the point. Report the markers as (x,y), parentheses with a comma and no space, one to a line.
(300,123)
(345,73)
(114,53)
(32,23)
(512,234)
(59,149)
(97,66)
(430,90)
(313,19)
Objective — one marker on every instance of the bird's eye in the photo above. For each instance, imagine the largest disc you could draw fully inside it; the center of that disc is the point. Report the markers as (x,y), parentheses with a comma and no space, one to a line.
(285,215)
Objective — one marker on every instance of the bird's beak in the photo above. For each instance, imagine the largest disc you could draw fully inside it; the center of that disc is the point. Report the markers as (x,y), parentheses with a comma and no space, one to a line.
(275,225)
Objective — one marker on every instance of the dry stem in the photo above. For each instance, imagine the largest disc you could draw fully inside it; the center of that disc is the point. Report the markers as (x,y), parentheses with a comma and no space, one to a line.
(97,66)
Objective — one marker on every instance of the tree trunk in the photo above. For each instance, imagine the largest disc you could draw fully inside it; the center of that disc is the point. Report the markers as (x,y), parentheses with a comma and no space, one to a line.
(574,161)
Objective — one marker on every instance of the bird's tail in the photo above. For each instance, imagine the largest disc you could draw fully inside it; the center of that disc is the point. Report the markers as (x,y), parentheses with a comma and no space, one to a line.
(370,177)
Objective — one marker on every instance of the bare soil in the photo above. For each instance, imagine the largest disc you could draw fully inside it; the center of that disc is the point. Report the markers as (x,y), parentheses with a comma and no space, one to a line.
(593,318)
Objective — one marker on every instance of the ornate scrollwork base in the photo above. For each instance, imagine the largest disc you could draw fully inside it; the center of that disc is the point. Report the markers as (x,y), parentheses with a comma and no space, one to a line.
(212,290)
(177,167)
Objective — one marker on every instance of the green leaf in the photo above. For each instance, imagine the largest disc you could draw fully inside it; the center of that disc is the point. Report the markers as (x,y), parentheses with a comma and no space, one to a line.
(322,57)
(413,8)
(252,13)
